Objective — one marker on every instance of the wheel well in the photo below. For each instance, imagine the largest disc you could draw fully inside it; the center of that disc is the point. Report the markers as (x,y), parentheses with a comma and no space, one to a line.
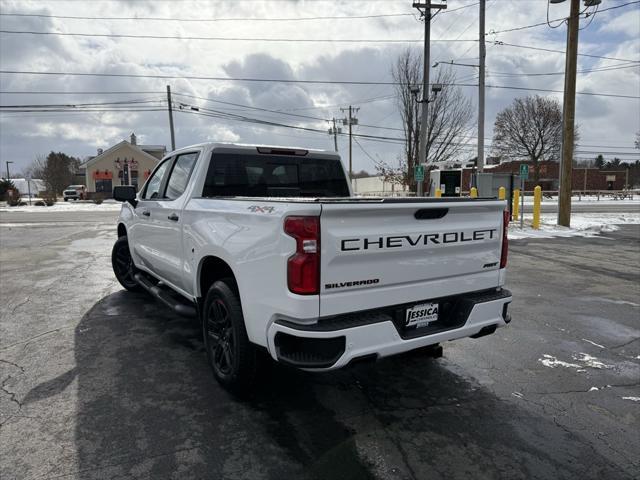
(122,230)
(212,270)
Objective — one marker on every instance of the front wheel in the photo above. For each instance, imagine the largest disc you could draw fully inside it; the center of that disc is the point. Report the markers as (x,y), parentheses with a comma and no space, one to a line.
(231,355)
(122,264)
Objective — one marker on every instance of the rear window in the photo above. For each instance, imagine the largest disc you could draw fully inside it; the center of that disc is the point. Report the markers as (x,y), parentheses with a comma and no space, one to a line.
(232,175)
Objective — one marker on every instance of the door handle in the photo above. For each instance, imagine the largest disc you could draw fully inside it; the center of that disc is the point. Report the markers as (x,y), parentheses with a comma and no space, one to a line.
(146,213)
(173,217)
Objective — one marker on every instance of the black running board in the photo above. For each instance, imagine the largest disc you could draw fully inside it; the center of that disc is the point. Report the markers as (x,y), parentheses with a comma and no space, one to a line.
(166,296)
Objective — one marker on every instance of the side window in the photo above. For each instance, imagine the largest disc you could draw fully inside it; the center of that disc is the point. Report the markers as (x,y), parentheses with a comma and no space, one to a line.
(152,191)
(180,175)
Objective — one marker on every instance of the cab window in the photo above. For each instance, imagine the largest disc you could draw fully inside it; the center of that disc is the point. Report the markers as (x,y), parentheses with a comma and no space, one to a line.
(152,190)
(180,174)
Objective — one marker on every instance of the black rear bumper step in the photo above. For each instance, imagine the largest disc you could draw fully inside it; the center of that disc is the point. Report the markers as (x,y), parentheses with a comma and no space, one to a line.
(165,295)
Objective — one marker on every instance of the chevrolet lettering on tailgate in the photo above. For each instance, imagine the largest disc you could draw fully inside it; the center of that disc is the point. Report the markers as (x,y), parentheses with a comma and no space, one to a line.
(399,241)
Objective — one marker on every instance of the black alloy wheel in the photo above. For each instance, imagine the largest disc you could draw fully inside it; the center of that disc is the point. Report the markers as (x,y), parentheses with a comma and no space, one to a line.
(122,264)
(232,357)
(220,338)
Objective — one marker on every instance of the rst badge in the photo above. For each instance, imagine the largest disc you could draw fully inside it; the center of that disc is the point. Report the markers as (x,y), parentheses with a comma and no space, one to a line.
(421,315)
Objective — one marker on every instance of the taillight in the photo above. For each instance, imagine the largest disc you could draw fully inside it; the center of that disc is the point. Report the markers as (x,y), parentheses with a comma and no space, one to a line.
(505,240)
(303,267)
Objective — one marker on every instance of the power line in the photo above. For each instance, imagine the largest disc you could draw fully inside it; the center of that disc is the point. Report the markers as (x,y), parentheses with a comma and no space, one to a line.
(534,25)
(227,39)
(591,94)
(76,105)
(61,110)
(541,49)
(222,19)
(250,107)
(284,80)
(96,92)
(226,19)
(588,70)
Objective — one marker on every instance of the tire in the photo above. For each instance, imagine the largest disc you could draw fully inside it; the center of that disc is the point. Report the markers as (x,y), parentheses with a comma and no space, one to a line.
(66,199)
(122,264)
(231,356)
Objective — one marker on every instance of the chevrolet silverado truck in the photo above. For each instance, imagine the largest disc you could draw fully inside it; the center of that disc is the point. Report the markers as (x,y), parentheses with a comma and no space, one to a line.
(270,250)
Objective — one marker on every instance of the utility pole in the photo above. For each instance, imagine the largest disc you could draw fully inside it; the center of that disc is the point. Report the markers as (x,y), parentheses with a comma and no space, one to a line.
(422,144)
(169,106)
(335,131)
(568,115)
(350,120)
(483,55)
(8,162)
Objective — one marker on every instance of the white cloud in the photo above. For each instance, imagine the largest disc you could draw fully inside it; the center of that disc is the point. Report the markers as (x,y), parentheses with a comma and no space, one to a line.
(606,121)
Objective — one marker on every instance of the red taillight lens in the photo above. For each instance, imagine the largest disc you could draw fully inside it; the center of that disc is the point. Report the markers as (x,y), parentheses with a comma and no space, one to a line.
(505,240)
(303,268)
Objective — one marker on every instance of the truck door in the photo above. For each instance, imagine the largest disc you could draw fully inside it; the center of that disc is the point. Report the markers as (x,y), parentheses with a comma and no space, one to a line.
(158,233)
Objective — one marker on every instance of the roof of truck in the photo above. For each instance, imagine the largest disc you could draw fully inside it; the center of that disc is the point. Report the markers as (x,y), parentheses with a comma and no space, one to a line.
(247,146)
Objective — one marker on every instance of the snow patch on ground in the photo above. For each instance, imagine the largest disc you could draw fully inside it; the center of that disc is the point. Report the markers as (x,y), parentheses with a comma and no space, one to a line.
(590,361)
(552,362)
(633,399)
(582,225)
(575,200)
(593,343)
(585,359)
(67,207)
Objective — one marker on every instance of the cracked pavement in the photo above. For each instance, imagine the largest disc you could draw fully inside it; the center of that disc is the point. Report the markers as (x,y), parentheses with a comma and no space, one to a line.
(101,383)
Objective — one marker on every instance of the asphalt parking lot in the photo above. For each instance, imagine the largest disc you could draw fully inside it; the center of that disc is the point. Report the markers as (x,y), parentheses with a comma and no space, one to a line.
(101,383)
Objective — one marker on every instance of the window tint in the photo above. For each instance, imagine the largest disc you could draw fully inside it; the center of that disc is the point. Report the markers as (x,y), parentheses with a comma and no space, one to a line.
(274,176)
(153,186)
(180,175)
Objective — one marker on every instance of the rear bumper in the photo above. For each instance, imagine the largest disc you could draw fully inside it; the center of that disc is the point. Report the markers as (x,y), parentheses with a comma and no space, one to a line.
(334,342)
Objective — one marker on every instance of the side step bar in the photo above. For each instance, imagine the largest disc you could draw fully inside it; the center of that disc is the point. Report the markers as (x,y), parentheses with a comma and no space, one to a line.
(166,296)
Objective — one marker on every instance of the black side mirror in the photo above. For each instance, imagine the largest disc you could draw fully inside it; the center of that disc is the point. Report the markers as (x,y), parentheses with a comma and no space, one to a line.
(125,193)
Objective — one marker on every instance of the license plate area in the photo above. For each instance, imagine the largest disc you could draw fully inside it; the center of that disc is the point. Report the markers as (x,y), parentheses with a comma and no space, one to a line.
(421,315)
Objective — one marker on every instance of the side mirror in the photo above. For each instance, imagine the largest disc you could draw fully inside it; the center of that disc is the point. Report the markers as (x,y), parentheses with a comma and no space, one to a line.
(125,193)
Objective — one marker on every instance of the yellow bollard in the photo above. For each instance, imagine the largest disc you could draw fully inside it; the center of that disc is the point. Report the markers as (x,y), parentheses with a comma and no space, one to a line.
(502,193)
(516,204)
(537,198)
(474,192)
(438,193)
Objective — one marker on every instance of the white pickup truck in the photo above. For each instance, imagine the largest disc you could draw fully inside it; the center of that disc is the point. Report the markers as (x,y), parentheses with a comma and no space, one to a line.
(270,250)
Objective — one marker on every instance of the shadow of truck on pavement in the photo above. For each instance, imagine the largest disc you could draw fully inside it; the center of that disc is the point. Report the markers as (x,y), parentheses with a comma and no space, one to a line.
(148,407)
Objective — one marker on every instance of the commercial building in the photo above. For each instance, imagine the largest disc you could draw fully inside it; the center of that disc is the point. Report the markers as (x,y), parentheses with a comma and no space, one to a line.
(125,163)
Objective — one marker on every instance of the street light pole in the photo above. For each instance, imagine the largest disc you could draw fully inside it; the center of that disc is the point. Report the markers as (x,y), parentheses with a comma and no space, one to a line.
(8,162)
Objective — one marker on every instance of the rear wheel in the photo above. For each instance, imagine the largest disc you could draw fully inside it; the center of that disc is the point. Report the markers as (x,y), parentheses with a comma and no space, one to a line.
(231,356)
(122,264)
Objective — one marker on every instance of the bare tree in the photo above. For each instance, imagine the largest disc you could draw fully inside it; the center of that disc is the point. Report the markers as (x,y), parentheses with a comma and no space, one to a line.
(450,114)
(396,175)
(637,142)
(450,120)
(530,129)
(407,73)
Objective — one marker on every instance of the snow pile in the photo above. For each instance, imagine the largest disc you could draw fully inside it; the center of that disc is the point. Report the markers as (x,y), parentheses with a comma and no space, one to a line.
(67,207)
(603,200)
(582,225)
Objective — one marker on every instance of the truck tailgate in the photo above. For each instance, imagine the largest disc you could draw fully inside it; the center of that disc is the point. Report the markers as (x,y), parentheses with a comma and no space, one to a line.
(381,254)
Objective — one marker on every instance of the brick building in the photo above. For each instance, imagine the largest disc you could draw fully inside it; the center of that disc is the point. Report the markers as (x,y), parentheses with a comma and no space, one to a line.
(581,179)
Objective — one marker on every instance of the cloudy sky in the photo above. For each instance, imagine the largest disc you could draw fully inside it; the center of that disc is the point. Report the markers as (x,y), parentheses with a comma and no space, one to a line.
(607,123)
